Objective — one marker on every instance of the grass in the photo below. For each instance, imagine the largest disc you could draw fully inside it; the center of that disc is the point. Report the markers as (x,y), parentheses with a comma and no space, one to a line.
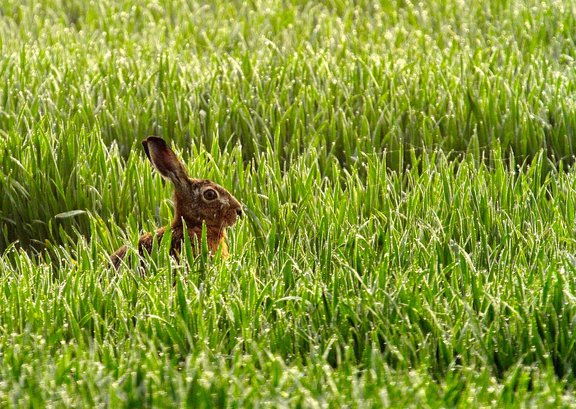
(407,174)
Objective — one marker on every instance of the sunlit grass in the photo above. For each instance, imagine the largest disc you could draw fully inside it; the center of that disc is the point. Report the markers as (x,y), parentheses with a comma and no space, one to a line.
(406,172)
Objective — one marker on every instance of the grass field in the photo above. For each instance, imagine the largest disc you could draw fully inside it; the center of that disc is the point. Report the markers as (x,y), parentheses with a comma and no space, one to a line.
(407,173)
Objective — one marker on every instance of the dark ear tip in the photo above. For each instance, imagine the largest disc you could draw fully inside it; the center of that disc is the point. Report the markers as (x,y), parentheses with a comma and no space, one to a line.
(154,139)
(156,142)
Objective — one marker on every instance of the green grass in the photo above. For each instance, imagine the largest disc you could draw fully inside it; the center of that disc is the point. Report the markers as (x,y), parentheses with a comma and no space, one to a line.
(410,198)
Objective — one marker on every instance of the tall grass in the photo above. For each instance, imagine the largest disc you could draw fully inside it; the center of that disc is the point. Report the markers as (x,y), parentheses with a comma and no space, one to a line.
(459,275)
(340,80)
(343,78)
(406,172)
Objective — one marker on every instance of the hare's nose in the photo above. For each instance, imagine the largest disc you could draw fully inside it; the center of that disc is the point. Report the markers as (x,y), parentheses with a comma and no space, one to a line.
(239,212)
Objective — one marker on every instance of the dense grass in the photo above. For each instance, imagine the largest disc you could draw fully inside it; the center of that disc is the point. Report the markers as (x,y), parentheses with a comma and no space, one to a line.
(406,171)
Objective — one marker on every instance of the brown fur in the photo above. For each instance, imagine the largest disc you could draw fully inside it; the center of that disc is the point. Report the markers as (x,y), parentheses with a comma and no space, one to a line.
(193,204)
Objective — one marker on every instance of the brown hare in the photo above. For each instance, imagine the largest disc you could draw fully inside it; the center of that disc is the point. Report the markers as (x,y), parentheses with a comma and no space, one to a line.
(196,202)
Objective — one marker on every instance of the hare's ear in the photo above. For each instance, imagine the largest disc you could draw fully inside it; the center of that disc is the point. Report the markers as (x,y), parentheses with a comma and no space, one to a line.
(164,159)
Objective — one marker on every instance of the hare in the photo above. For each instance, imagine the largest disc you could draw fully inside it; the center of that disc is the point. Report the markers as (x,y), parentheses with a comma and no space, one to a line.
(196,202)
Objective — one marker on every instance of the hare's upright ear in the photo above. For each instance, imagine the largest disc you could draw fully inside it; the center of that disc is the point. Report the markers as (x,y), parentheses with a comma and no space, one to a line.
(164,159)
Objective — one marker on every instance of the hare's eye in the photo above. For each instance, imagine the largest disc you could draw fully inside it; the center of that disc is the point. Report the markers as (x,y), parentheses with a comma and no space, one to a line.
(210,194)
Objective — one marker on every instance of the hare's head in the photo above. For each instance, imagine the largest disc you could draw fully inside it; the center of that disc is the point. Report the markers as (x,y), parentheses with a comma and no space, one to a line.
(195,200)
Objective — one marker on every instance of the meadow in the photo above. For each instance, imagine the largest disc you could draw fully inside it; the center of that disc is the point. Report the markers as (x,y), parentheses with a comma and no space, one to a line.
(409,189)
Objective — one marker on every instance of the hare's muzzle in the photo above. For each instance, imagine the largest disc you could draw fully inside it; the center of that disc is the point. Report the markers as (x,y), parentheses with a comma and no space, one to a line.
(239,212)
